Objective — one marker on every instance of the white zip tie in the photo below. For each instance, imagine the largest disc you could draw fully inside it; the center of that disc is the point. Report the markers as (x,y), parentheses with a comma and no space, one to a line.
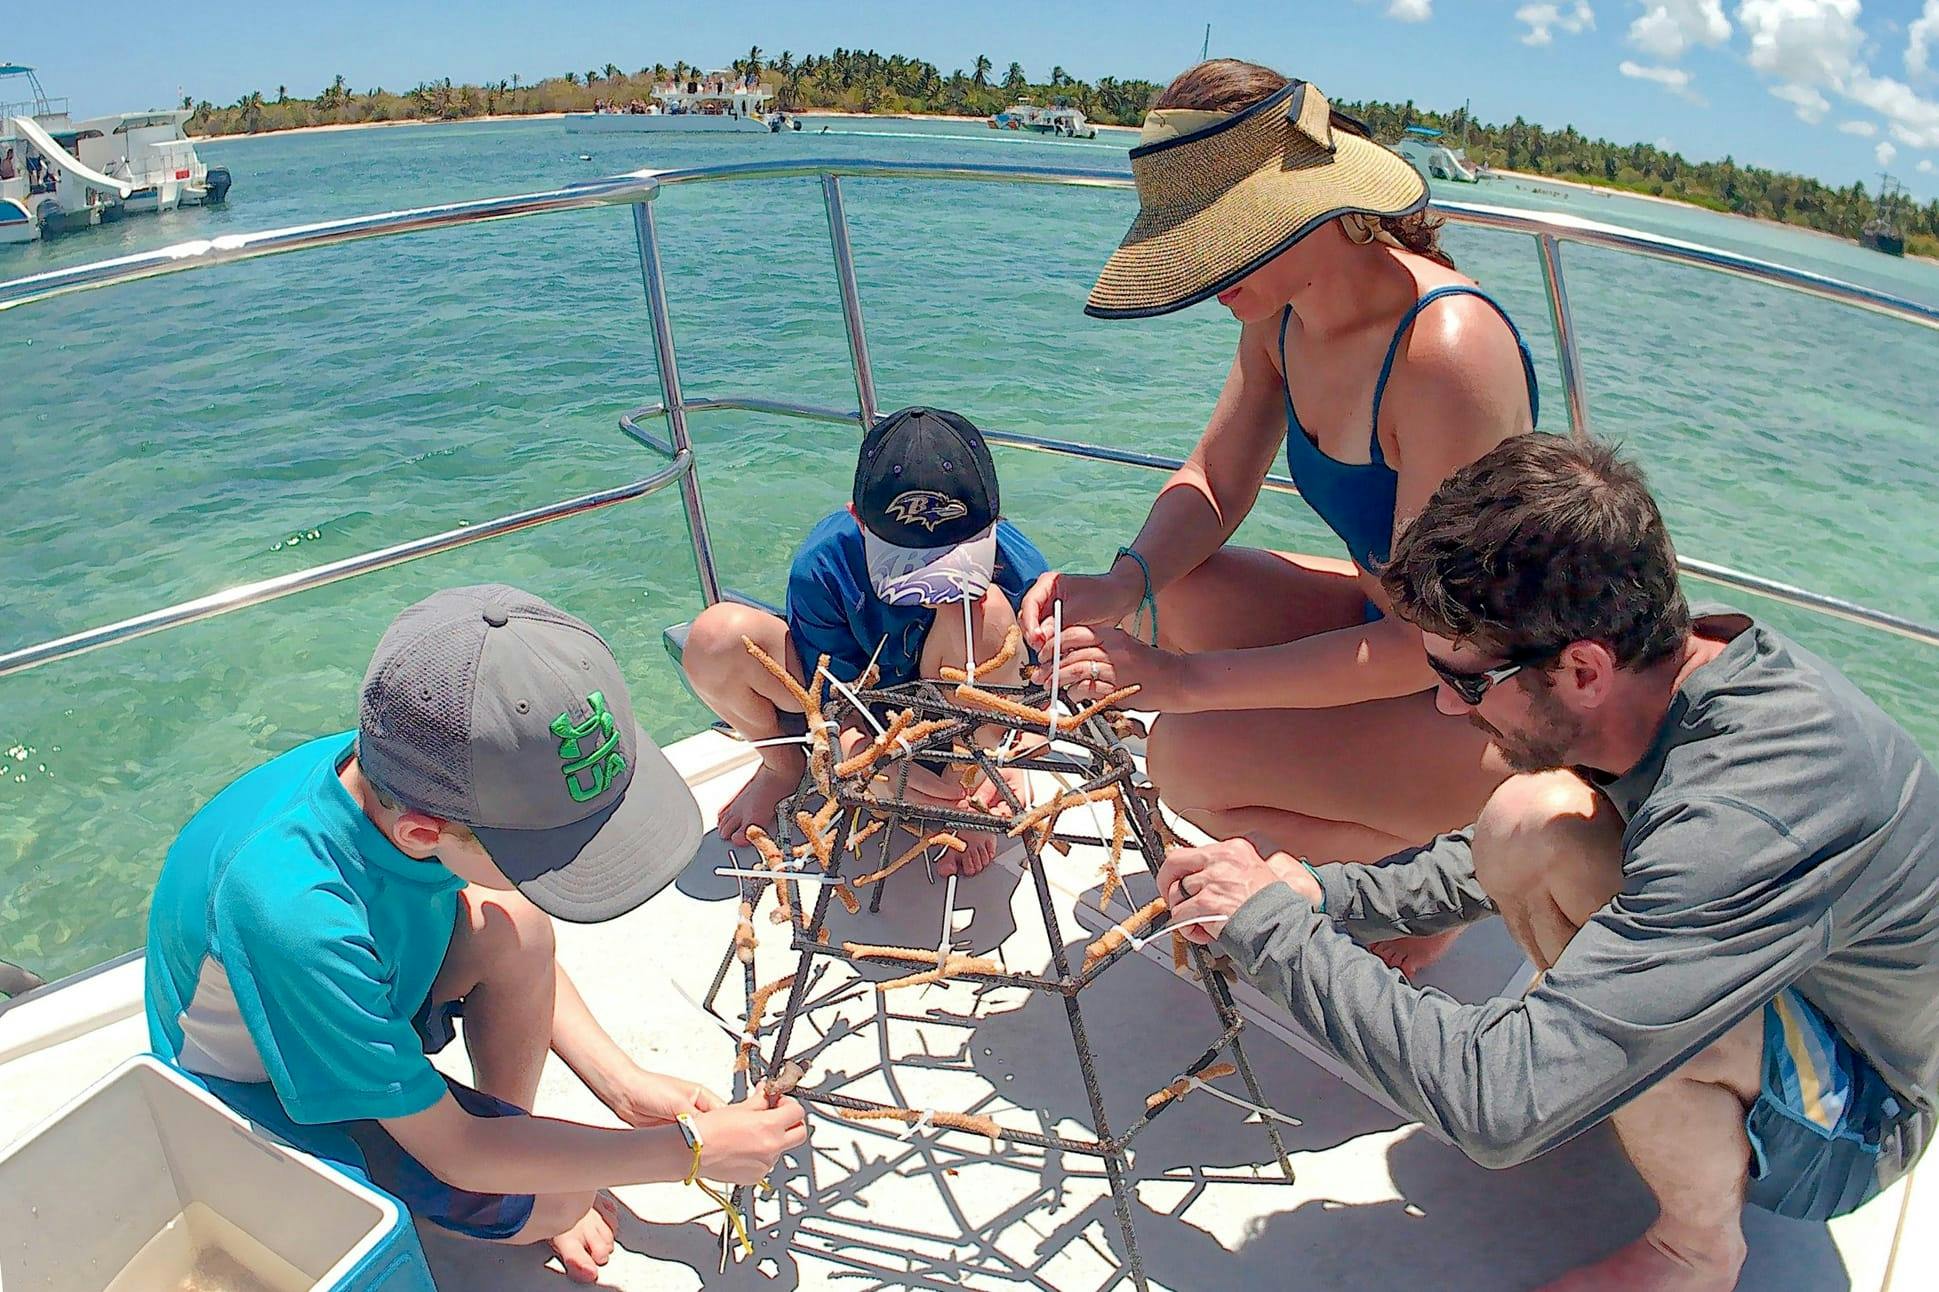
(918,1126)
(1193,1083)
(779,740)
(704,1012)
(792,876)
(856,700)
(1056,661)
(1139,944)
(969,645)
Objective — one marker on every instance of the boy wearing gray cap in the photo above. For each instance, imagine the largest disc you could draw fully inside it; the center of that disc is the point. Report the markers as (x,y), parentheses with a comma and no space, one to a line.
(318,925)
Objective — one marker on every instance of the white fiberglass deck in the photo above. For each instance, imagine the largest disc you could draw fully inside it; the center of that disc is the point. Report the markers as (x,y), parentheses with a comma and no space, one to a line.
(1378,1202)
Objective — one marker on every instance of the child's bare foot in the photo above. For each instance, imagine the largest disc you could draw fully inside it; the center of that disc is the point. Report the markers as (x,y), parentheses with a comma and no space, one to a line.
(588,1245)
(978,852)
(1412,956)
(773,781)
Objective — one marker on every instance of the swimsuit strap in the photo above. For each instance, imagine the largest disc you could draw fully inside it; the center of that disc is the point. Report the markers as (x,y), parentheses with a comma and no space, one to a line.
(1400,333)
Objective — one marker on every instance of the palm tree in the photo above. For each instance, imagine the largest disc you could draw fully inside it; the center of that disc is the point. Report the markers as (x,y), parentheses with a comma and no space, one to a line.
(1014,81)
(282,94)
(1058,76)
(612,71)
(785,64)
(592,74)
(981,77)
(572,78)
(754,63)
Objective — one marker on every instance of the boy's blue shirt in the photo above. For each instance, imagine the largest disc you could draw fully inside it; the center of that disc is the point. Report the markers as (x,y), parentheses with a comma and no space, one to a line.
(833,609)
(328,936)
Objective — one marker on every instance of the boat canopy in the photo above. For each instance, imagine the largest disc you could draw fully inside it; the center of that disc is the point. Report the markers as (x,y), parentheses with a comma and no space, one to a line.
(15,69)
(1425,132)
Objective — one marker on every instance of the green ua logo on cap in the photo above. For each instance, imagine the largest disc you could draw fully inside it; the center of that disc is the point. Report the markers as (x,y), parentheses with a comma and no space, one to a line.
(589,775)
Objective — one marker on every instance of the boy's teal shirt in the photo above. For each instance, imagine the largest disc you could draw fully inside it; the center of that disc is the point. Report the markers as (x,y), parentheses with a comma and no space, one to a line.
(328,936)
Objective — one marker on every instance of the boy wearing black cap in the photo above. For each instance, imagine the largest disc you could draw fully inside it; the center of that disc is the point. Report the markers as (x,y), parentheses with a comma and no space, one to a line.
(318,925)
(884,579)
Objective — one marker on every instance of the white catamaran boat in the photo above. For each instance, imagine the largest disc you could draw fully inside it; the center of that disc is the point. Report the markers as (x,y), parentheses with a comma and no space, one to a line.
(720,100)
(1434,158)
(66,175)
(1349,1194)
(1057,119)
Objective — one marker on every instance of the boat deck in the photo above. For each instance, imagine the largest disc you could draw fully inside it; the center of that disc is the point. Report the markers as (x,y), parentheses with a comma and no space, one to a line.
(1377,1202)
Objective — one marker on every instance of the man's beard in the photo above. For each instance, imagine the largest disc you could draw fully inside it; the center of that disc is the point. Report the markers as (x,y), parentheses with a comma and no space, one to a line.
(1547,741)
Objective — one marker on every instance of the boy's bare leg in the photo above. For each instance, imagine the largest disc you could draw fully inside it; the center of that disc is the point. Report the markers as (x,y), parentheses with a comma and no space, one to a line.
(1548,851)
(991,620)
(751,700)
(500,965)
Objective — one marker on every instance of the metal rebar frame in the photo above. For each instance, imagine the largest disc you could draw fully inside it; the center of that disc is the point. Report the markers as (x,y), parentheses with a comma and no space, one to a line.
(1101,760)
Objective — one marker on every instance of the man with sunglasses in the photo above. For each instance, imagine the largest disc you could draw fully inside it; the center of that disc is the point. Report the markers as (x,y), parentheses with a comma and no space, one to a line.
(1722,856)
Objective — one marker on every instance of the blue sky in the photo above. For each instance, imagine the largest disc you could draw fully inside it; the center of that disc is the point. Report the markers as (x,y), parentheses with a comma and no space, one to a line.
(1832,88)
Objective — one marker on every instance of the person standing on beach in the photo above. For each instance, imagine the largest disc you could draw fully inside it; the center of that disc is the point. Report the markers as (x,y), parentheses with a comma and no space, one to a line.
(1287,689)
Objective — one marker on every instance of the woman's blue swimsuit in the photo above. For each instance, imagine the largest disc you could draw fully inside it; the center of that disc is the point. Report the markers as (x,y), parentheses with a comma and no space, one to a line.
(1356,499)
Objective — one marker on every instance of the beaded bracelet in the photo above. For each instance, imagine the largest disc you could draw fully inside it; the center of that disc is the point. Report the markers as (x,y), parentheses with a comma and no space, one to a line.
(1146,603)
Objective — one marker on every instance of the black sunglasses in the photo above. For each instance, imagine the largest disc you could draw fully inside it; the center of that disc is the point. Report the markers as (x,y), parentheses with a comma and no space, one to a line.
(1471,687)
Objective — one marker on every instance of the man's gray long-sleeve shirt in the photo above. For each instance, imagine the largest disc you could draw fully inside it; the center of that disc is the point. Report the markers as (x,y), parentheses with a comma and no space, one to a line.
(1781,831)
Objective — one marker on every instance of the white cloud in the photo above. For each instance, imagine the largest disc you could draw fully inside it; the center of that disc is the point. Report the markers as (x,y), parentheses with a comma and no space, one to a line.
(1919,39)
(1885,152)
(1543,20)
(1411,10)
(1673,79)
(1863,129)
(1816,45)
(1669,27)
(1925,167)
(1805,42)
(1810,105)
(1914,120)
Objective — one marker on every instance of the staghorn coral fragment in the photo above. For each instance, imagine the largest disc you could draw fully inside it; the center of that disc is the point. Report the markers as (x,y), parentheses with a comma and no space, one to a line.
(981,699)
(941,838)
(973,1123)
(867,758)
(1116,937)
(1112,879)
(795,689)
(1096,707)
(1159,1098)
(1051,810)
(744,933)
(771,854)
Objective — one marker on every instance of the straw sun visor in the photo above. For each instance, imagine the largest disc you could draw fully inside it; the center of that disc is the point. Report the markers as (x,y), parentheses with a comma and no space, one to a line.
(1220,194)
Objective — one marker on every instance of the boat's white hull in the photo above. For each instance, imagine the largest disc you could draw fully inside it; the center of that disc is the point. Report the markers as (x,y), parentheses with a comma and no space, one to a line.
(165,196)
(1366,1182)
(642,123)
(16,224)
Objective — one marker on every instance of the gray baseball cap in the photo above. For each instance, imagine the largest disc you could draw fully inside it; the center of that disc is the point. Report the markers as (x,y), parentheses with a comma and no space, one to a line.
(486,706)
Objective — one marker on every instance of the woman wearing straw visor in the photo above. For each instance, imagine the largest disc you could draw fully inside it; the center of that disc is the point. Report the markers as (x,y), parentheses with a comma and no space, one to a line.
(1294,706)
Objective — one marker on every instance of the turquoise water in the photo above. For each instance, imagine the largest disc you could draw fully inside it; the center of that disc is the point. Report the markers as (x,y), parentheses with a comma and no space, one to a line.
(177,436)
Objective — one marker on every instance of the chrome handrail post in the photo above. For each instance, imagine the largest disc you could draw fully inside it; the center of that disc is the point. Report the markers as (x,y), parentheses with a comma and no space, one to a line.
(858,342)
(675,408)
(1566,354)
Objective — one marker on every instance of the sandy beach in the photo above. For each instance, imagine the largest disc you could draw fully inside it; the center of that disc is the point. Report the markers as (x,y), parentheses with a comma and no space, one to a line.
(1543,181)
(1549,181)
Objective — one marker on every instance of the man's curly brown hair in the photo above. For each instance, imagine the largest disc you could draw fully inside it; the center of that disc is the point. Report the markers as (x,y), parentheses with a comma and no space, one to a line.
(1543,541)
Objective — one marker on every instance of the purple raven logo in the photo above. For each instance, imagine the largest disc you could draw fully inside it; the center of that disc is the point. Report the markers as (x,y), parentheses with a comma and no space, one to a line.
(927,508)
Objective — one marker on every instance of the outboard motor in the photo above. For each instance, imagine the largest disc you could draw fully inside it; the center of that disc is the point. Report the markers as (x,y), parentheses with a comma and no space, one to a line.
(217,182)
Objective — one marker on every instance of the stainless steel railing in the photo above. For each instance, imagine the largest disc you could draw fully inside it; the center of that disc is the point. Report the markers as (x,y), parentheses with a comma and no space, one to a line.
(674,408)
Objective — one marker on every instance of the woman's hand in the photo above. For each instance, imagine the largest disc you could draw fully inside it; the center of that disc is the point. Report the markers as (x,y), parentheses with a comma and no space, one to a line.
(1093,662)
(1087,598)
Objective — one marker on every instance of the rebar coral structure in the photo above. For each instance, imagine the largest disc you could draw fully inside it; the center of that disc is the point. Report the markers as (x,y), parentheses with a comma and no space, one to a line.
(937,726)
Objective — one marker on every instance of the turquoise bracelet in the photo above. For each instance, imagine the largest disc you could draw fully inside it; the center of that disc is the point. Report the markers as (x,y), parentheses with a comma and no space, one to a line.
(1148,602)
(1319,906)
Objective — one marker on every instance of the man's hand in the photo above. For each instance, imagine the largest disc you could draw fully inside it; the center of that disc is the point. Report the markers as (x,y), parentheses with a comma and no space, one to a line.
(740,1143)
(1218,879)
(642,1098)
